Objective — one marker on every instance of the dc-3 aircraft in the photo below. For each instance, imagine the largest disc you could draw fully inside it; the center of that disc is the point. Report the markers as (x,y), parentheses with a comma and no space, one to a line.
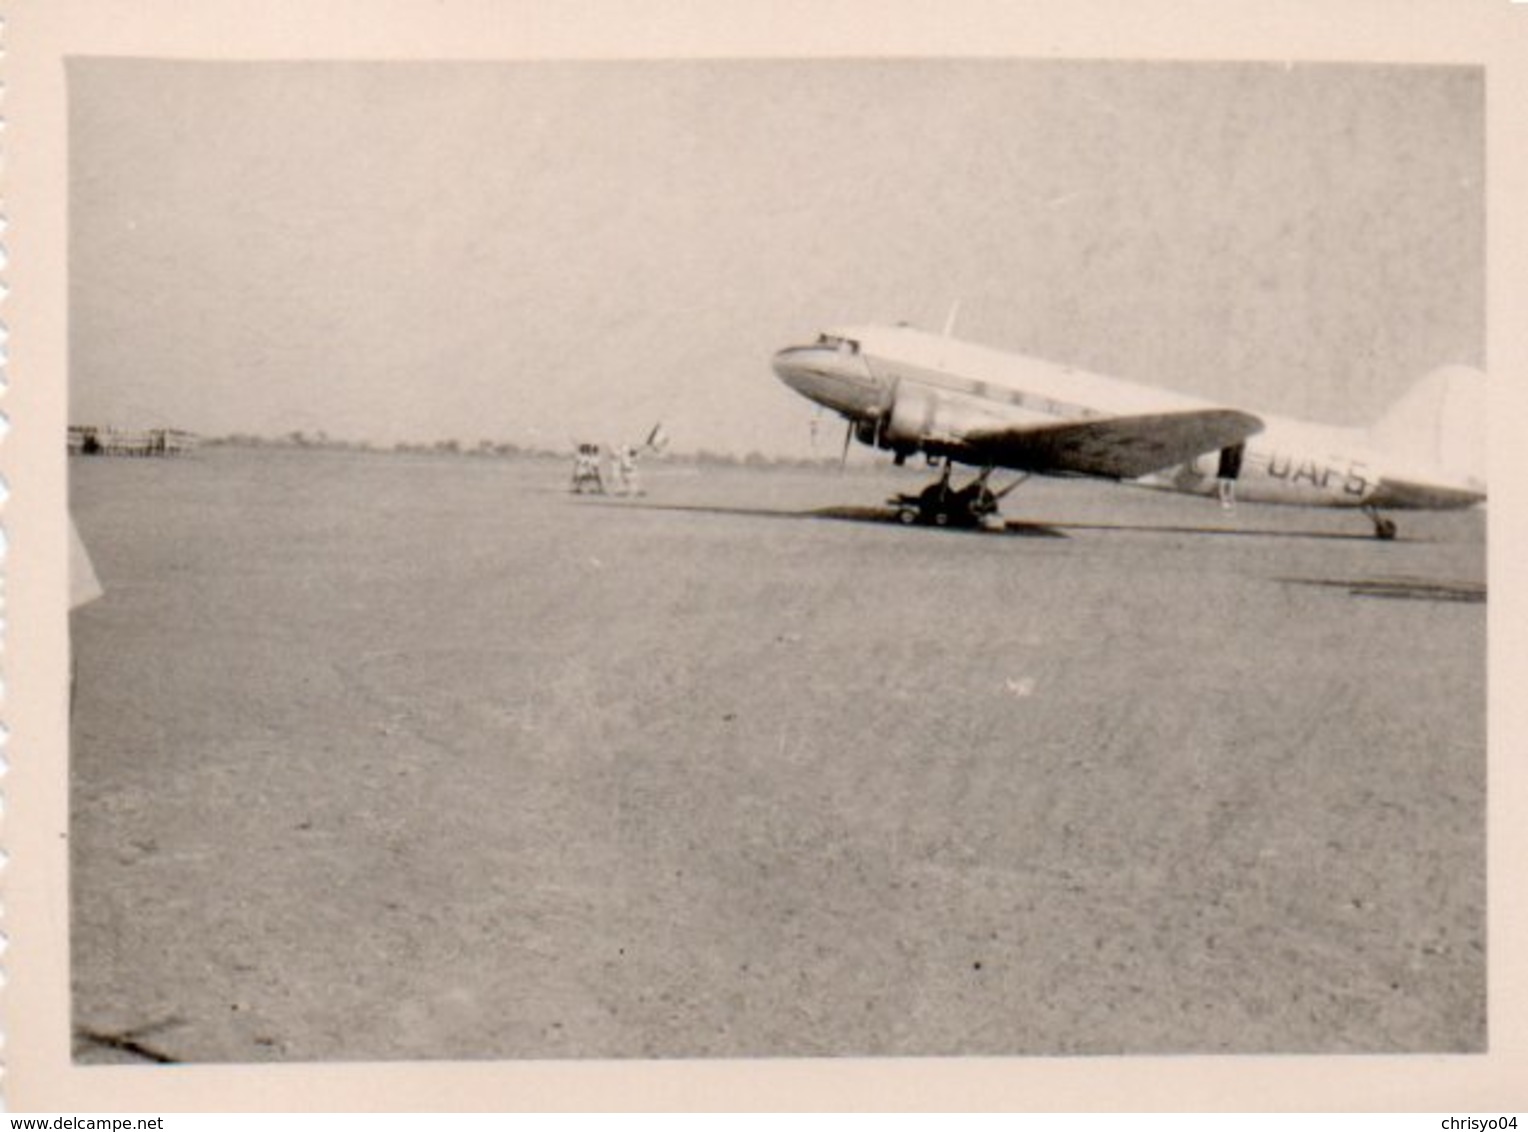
(910,391)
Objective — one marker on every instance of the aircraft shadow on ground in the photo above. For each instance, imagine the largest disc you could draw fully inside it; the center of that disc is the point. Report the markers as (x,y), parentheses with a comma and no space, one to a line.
(1229,532)
(1413,589)
(886,516)
(883,516)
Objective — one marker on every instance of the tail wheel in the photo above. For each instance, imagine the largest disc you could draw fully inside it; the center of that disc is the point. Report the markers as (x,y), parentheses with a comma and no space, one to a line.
(1384,529)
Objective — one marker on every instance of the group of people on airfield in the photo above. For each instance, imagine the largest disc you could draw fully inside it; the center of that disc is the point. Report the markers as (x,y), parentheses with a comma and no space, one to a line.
(589,471)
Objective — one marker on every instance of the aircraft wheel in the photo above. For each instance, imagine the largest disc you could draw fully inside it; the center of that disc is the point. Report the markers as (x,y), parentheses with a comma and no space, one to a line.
(1384,529)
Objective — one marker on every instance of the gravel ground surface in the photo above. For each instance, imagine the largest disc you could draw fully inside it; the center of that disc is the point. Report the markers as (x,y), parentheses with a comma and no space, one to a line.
(388,756)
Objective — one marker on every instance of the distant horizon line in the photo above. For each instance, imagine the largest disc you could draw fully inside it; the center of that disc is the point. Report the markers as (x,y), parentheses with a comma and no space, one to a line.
(301,439)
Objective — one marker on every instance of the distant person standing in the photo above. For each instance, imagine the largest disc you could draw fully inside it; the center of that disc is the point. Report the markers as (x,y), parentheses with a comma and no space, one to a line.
(586,470)
(627,480)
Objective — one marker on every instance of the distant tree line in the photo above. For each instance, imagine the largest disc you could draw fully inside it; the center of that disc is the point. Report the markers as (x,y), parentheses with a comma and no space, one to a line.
(320,439)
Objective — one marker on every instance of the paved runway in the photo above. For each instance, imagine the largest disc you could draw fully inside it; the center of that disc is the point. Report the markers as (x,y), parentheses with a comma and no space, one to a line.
(385,756)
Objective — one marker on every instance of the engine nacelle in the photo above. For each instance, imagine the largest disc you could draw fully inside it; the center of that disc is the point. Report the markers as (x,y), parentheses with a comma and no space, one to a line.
(923,417)
(914,414)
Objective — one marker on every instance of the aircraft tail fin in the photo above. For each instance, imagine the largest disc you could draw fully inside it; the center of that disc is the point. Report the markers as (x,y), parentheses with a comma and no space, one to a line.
(1440,421)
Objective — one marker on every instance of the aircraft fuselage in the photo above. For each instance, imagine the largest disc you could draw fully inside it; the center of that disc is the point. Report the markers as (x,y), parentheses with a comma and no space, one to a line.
(908,392)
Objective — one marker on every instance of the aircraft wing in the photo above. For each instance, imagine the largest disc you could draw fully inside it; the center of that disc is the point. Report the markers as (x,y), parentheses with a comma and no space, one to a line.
(1114,447)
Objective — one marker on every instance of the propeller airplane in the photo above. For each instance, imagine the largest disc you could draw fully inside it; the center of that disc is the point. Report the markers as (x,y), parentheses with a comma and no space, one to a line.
(909,392)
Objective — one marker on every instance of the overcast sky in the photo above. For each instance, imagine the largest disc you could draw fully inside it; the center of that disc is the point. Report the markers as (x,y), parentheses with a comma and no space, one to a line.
(545,252)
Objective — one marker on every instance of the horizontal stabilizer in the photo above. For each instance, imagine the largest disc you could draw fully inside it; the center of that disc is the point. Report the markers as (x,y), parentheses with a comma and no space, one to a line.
(1115,447)
(1395,494)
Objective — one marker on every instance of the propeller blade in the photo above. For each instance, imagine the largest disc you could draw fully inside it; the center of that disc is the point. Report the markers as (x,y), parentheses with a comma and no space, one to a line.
(843,458)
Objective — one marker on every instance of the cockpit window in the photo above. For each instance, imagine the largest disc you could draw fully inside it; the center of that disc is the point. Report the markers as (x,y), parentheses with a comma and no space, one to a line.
(845,346)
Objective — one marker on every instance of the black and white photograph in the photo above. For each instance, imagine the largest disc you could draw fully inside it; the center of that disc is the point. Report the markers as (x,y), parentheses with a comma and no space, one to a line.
(698,558)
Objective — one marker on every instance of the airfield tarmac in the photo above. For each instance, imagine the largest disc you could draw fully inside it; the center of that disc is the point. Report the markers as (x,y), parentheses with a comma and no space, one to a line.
(391,756)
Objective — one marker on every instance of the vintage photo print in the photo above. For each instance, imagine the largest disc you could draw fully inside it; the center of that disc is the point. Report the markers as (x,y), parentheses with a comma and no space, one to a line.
(611,562)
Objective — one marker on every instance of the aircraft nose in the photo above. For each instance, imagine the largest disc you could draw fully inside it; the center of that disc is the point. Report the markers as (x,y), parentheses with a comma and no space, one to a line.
(790,367)
(835,378)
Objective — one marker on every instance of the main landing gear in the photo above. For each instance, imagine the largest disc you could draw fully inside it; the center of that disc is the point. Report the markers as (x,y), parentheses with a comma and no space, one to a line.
(1384,528)
(942,505)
